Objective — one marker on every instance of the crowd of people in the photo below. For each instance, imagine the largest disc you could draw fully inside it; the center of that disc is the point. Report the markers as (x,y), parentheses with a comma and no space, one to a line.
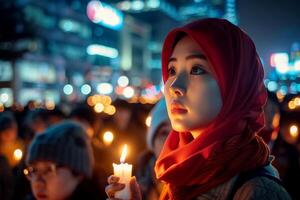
(215,134)
(23,131)
(36,144)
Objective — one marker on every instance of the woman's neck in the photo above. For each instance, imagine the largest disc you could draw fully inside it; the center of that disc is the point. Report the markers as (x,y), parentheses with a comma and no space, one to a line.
(196,133)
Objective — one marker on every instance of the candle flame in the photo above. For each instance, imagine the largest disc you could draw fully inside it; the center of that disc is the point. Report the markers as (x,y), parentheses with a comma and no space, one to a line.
(124,153)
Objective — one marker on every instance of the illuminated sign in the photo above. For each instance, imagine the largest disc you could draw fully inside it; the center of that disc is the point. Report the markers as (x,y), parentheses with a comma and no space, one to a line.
(101,13)
(97,49)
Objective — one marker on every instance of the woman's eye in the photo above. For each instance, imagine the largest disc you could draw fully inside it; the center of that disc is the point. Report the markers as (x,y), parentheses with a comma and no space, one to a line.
(197,70)
(171,71)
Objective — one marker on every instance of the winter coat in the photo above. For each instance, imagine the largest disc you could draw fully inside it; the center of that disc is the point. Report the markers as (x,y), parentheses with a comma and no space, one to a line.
(257,188)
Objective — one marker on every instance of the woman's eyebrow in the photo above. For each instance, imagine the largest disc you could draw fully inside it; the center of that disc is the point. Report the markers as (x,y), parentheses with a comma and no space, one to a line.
(193,56)
(172,59)
(199,56)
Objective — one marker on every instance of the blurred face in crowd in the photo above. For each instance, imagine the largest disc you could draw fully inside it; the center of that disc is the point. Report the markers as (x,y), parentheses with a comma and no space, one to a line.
(39,126)
(192,93)
(87,127)
(272,115)
(160,137)
(9,135)
(49,182)
(122,117)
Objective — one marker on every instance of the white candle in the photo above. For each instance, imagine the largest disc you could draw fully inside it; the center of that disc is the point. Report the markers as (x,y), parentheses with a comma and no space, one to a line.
(123,171)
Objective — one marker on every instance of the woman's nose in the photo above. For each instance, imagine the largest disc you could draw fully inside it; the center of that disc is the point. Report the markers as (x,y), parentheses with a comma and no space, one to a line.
(179,85)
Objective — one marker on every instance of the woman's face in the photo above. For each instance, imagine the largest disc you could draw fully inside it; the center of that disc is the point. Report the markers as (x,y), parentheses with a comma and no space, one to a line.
(192,93)
(49,182)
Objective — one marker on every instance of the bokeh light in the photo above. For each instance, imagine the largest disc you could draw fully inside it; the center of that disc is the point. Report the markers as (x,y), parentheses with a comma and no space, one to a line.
(123,81)
(4,97)
(99,107)
(108,137)
(148,121)
(68,89)
(128,92)
(105,88)
(86,89)
(294,131)
(18,154)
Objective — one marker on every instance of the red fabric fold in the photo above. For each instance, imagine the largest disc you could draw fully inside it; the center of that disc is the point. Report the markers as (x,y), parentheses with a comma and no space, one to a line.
(229,144)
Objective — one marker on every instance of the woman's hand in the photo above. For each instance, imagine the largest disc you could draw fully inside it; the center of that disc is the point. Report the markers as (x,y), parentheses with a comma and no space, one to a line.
(114,186)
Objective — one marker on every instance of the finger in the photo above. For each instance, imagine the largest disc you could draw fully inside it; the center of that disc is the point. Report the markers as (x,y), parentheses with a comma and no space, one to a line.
(135,189)
(113,179)
(111,189)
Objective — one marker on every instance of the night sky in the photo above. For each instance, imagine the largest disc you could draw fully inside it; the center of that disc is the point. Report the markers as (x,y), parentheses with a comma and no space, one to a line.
(273,25)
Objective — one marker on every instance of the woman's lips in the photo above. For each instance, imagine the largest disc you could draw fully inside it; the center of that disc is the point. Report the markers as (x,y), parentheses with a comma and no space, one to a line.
(177,108)
(178,111)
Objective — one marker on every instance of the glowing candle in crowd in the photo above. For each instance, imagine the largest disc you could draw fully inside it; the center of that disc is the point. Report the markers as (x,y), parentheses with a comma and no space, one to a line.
(108,138)
(123,171)
(294,131)
(18,154)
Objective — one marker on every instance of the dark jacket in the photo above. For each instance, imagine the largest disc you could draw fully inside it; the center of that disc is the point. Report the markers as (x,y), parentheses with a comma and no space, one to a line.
(258,188)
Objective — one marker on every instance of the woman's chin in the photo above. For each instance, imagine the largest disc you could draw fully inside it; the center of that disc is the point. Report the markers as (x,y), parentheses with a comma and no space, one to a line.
(179,128)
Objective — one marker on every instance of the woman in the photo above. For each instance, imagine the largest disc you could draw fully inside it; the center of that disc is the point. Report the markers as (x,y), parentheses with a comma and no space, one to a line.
(214,95)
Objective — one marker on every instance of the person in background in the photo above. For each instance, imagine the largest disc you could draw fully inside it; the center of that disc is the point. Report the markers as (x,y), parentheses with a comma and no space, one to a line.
(126,129)
(286,156)
(6,179)
(91,122)
(60,163)
(83,114)
(55,116)
(157,133)
(10,146)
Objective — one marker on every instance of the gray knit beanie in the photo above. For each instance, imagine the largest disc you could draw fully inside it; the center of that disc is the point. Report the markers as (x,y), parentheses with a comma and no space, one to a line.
(159,115)
(64,144)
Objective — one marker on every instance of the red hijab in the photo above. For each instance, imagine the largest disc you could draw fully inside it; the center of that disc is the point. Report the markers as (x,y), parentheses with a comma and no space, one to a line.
(229,145)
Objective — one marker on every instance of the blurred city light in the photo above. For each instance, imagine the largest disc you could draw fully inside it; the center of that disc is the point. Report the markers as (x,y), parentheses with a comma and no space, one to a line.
(137,5)
(294,131)
(123,81)
(110,109)
(297,101)
(105,88)
(297,65)
(90,101)
(1,107)
(124,5)
(97,49)
(106,100)
(128,92)
(283,89)
(18,154)
(50,105)
(86,89)
(153,3)
(272,86)
(99,107)
(279,96)
(4,97)
(279,59)
(292,105)
(68,89)
(148,121)
(108,137)
(282,69)
(101,13)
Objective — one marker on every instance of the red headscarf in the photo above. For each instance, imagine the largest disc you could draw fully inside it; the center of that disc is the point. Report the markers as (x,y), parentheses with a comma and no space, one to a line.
(228,145)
